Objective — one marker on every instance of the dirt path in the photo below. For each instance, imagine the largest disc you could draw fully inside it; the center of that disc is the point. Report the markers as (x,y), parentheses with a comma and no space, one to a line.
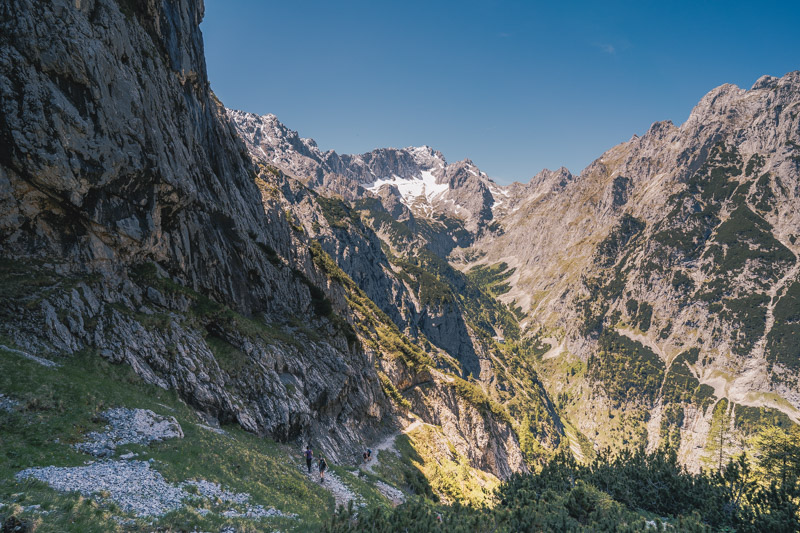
(342,493)
(333,484)
(394,495)
(387,444)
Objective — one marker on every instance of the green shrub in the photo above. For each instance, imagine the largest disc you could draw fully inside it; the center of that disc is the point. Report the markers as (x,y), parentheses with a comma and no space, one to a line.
(611,247)
(626,369)
(492,277)
(391,391)
(475,395)
(783,340)
(618,493)
(336,212)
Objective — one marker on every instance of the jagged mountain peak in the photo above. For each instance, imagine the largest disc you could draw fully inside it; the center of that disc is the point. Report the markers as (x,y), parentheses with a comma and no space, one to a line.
(658,129)
(426,154)
(765,81)
(561,174)
(728,102)
(420,176)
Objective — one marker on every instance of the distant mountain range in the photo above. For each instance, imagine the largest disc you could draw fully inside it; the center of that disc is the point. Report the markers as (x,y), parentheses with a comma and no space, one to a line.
(673,255)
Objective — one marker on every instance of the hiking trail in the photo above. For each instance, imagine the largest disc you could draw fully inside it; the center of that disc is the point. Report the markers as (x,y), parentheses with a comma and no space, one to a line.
(387,444)
(333,484)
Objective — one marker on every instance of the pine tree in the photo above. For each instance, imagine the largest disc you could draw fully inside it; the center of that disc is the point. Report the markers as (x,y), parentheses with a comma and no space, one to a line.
(719,437)
(777,454)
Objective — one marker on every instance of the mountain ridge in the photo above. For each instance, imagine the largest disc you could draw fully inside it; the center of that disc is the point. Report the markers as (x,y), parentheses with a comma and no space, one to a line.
(550,231)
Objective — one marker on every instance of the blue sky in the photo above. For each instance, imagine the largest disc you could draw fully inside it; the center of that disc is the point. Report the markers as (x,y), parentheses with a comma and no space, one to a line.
(515,86)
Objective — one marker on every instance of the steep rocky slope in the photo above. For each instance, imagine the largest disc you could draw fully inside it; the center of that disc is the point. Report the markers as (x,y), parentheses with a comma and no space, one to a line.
(677,248)
(135,227)
(126,193)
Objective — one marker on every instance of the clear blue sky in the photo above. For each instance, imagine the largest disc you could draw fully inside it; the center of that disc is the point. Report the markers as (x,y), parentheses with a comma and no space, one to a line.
(515,86)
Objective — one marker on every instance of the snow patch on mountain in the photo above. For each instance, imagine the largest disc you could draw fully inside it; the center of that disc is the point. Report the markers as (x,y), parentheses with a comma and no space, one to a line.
(498,195)
(414,188)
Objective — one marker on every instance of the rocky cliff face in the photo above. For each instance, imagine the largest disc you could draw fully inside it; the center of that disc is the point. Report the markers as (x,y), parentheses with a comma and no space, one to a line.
(123,185)
(135,226)
(114,152)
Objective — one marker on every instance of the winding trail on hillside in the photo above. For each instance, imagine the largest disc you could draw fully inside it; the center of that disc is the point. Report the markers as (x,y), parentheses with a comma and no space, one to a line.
(395,495)
(387,444)
(342,494)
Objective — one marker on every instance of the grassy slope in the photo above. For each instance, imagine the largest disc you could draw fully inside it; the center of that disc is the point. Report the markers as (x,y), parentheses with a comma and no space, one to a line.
(59,405)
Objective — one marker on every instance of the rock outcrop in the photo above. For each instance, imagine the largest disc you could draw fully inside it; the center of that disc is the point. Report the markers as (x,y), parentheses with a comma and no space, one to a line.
(116,157)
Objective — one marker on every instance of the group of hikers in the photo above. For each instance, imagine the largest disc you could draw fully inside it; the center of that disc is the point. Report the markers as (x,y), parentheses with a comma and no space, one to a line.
(322,465)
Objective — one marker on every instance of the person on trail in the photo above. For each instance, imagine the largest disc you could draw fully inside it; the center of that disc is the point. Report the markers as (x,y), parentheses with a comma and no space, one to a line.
(369,454)
(365,457)
(322,467)
(309,457)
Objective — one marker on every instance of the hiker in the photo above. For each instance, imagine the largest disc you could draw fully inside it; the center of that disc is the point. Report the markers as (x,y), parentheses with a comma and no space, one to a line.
(322,467)
(309,458)
(369,454)
(365,457)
